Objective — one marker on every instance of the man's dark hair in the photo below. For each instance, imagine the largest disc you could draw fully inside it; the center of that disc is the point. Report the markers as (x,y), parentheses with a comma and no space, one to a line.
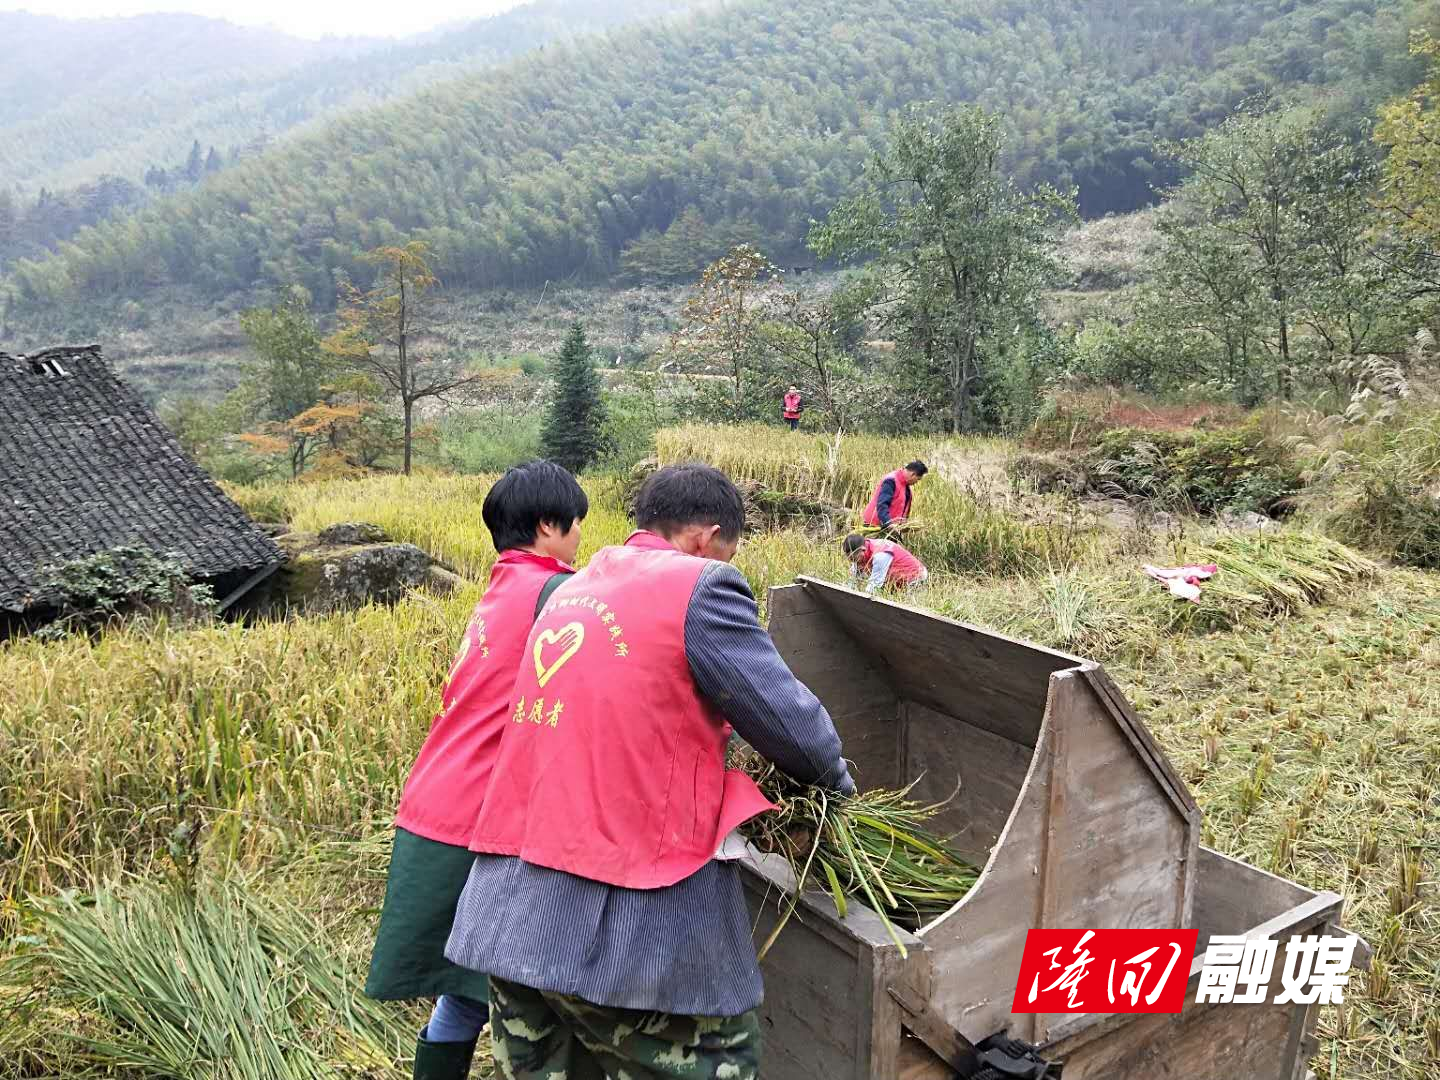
(919,468)
(680,495)
(853,543)
(526,496)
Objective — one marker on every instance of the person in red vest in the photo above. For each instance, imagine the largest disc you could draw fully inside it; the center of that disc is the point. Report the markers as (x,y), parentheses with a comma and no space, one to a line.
(886,563)
(890,504)
(605,901)
(533,513)
(792,407)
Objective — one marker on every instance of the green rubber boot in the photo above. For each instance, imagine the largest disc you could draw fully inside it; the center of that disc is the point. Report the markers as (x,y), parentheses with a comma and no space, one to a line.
(442,1061)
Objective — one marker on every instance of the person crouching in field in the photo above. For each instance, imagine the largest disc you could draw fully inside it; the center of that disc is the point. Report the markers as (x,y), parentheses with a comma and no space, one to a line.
(607,904)
(533,513)
(886,563)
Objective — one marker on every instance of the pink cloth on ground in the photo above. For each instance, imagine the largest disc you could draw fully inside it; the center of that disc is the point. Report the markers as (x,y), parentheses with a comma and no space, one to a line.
(1182,581)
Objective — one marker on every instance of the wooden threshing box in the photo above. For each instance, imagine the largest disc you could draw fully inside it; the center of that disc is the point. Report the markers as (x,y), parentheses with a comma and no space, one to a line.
(1078,821)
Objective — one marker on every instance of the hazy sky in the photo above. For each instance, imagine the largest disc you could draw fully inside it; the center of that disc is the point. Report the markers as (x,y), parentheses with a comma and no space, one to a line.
(309,18)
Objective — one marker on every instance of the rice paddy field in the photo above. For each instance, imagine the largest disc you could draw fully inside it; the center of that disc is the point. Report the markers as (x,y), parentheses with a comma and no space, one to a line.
(193,821)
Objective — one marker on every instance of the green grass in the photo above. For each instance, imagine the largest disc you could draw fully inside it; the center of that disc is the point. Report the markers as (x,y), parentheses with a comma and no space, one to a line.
(219,985)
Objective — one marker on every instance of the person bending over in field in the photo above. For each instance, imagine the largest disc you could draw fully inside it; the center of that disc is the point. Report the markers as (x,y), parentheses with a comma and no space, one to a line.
(886,563)
(533,513)
(606,904)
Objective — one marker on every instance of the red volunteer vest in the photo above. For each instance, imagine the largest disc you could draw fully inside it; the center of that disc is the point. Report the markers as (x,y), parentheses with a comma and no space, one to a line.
(447,784)
(898,507)
(792,406)
(612,766)
(903,565)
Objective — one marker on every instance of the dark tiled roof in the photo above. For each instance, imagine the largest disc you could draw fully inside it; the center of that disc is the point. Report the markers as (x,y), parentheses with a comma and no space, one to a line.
(85,466)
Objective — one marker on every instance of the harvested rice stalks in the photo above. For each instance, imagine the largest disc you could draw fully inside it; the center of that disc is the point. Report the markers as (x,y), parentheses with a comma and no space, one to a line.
(870,846)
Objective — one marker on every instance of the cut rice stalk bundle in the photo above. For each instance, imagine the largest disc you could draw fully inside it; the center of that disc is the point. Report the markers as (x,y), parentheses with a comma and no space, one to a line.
(1278,573)
(871,846)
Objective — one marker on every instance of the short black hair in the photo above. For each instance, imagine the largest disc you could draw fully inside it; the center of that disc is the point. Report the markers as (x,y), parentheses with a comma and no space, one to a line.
(919,468)
(694,494)
(528,495)
(853,543)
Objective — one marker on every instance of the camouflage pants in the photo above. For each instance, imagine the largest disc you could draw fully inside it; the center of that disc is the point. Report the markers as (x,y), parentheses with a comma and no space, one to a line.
(544,1036)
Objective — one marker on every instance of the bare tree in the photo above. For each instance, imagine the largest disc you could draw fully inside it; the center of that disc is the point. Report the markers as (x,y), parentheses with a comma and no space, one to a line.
(380,328)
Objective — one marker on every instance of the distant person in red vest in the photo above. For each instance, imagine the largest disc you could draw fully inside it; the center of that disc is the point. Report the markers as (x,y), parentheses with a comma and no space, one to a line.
(793,407)
(533,513)
(890,504)
(605,901)
(886,563)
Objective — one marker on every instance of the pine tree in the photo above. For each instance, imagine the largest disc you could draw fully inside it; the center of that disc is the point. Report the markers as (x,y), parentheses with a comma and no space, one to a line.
(195,164)
(574,431)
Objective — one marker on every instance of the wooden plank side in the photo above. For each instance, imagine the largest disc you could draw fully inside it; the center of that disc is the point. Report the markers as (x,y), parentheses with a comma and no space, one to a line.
(1233,897)
(1093,841)
(991,681)
(853,686)
(976,947)
(1117,845)
(1139,735)
(1100,1038)
(940,752)
(826,1012)
(1238,1042)
(918,1062)
(883,1037)
(811,1011)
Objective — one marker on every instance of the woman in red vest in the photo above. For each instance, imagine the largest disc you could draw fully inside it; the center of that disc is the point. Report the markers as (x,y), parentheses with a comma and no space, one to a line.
(886,563)
(792,407)
(890,504)
(533,513)
(605,902)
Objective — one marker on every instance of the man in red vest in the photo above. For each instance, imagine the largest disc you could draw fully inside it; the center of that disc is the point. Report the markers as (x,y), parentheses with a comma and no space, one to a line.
(605,902)
(886,563)
(533,514)
(890,504)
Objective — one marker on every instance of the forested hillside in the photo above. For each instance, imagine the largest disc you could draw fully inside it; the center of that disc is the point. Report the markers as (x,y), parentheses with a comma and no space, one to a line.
(80,98)
(755,118)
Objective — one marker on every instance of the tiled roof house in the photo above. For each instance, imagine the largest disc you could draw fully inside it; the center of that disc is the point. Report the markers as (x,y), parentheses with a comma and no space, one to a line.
(85,466)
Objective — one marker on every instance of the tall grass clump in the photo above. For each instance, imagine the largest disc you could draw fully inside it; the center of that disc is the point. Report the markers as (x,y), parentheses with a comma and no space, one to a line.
(839,469)
(957,530)
(1373,474)
(1273,574)
(152,981)
(969,533)
(273,730)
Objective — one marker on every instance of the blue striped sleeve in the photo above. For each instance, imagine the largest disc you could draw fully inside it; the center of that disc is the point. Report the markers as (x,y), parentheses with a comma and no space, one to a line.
(737,668)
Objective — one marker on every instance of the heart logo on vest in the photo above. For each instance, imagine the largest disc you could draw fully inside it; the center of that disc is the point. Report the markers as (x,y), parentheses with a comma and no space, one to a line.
(569,637)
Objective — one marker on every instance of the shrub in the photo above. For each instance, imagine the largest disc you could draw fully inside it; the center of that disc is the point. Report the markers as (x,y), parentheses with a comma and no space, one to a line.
(1230,469)
(124,581)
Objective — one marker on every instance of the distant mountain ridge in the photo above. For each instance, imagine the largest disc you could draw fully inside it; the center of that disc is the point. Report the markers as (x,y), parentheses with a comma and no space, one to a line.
(84,97)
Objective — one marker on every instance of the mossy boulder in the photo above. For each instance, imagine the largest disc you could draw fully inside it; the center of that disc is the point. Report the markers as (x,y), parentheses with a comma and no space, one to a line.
(1048,473)
(338,570)
(353,532)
